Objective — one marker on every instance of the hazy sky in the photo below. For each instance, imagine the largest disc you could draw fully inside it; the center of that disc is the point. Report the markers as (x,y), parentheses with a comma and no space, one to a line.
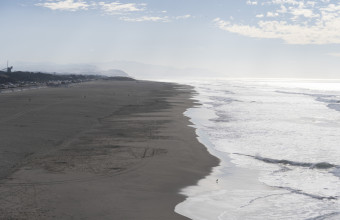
(235,38)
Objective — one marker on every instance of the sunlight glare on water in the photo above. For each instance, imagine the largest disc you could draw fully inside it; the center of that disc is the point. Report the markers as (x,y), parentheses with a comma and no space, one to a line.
(279,146)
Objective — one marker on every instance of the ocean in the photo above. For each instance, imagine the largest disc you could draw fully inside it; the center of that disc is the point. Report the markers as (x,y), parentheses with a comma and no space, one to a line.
(279,146)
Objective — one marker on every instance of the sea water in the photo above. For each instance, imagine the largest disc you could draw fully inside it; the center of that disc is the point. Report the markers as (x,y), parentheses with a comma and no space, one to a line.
(279,146)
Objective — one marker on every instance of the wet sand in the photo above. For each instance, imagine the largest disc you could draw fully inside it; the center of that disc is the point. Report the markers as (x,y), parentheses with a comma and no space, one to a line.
(98,150)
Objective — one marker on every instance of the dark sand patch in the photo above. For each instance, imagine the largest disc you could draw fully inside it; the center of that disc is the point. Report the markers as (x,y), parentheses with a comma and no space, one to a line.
(102,150)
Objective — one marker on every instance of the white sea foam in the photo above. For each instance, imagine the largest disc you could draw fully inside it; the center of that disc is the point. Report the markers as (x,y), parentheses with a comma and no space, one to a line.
(279,143)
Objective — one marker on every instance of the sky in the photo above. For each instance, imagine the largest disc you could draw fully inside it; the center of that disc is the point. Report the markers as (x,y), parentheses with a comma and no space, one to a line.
(225,38)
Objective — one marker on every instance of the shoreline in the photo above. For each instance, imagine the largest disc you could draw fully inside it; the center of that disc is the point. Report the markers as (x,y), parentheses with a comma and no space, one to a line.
(110,150)
(229,176)
(256,174)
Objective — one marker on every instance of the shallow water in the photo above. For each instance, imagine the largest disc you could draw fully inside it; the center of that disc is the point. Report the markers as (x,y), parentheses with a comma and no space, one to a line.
(279,145)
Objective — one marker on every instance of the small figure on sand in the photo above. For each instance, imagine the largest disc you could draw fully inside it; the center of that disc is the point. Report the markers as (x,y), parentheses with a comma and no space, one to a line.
(216,180)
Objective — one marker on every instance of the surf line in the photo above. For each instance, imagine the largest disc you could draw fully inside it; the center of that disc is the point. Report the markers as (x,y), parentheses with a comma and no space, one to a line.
(319,165)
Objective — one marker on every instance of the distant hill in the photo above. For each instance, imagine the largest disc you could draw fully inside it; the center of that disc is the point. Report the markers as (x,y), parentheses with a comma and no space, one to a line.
(83,69)
(22,77)
(119,68)
(114,72)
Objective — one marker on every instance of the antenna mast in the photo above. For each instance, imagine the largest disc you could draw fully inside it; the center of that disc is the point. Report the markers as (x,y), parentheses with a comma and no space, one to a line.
(9,69)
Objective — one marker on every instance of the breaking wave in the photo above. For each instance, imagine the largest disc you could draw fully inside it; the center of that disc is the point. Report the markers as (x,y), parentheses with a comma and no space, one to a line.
(319,165)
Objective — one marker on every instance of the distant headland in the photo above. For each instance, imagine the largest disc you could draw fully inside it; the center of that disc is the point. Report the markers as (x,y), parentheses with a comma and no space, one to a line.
(24,79)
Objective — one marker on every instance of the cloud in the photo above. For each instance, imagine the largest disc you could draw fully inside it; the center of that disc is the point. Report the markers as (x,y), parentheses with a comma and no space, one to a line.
(251,2)
(111,8)
(118,8)
(130,12)
(295,22)
(289,2)
(272,14)
(65,5)
(155,18)
(334,54)
(183,17)
(146,18)
(307,13)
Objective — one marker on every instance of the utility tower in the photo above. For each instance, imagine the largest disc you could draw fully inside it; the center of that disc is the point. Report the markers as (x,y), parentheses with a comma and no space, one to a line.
(8,69)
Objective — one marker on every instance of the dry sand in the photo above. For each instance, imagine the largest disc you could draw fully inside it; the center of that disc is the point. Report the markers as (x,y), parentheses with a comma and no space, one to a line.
(98,150)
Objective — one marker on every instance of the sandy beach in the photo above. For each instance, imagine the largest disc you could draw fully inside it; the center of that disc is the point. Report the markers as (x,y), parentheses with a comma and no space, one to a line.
(98,150)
